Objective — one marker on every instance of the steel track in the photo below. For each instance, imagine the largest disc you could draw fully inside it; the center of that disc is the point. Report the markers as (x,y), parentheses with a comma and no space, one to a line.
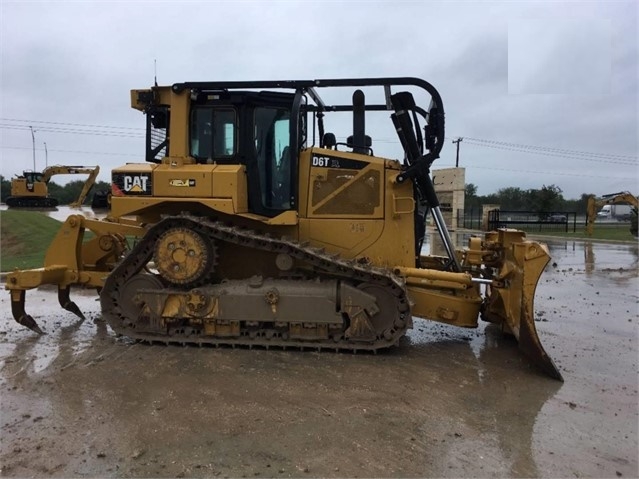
(324,266)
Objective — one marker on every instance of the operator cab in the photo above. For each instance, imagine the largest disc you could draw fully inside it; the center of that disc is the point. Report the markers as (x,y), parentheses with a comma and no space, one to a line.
(239,127)
(249,128)
(255,129)
(30,178)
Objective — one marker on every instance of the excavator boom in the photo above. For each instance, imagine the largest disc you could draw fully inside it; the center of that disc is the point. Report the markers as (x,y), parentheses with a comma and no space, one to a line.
(88,184)
(621,198)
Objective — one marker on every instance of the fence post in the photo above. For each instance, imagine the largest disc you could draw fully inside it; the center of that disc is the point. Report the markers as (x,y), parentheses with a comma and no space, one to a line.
(485,216)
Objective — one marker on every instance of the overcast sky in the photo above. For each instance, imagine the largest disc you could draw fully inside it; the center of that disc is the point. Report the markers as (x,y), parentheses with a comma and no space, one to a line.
(542,92)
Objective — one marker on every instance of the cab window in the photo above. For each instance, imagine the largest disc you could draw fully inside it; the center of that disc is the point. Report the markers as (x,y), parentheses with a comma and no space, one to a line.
(213,133)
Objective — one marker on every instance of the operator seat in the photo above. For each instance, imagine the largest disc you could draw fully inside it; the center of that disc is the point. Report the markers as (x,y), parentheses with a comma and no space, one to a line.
(283,173)
(329,141)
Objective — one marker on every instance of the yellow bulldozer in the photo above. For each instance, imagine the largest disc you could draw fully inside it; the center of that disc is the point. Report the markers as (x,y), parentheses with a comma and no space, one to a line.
(251,224)
(30,190)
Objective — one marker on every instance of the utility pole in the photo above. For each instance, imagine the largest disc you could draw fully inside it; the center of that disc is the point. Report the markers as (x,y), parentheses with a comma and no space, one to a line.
(33,141)
(46,155)
(458,141)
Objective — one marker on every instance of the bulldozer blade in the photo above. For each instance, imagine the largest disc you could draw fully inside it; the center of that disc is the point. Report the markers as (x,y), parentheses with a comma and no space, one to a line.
(530,345)
(66,303)
(512,307)
(526,332)
(20,315)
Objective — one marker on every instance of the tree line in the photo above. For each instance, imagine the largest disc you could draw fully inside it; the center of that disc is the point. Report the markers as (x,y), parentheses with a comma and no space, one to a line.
(545,199)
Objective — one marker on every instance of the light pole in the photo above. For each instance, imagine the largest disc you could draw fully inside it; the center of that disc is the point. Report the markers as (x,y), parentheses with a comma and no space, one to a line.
(33,141)
(46,155)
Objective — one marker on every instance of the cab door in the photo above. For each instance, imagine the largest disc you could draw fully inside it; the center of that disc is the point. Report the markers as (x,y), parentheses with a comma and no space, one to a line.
(268,154)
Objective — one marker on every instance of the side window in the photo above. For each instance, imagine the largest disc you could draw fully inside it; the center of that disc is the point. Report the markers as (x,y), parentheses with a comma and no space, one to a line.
(213,133)
(157,131)
(32,177)
(272,136)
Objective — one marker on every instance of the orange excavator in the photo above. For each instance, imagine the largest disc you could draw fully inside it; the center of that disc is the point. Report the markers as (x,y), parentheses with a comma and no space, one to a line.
(30,190)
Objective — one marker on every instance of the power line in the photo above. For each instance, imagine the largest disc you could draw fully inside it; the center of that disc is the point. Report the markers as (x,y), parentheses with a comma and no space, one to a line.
(72,124)
(557,155)
(558,150)
(537,172)
(500,145)
(74,151)
(478,167)
(480,140)
(547,172)
(74,131)
(540,150)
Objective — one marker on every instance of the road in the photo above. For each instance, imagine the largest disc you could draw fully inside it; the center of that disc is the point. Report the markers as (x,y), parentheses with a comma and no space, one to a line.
(80,402)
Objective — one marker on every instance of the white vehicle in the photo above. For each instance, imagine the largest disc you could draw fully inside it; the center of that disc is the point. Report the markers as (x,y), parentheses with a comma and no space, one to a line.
(616,212)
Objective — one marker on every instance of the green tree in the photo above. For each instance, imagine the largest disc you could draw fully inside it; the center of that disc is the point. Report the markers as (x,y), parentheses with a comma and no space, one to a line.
(57,191)
(513,198)
(547,199)
(471,200)
(5,188)
(99,187)
(582,203)
(69,193)
(102,185)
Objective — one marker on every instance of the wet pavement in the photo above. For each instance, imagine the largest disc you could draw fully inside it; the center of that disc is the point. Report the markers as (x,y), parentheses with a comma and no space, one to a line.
(448,402)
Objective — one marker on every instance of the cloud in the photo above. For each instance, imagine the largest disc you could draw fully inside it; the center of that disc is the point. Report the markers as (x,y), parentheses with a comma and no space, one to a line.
(559,55)
(76,62)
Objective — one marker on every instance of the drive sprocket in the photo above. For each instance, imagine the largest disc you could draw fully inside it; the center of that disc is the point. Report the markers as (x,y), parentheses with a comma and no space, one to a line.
(184,257)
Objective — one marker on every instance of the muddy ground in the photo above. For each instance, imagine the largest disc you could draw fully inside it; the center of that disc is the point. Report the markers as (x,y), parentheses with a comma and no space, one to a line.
(80,402)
